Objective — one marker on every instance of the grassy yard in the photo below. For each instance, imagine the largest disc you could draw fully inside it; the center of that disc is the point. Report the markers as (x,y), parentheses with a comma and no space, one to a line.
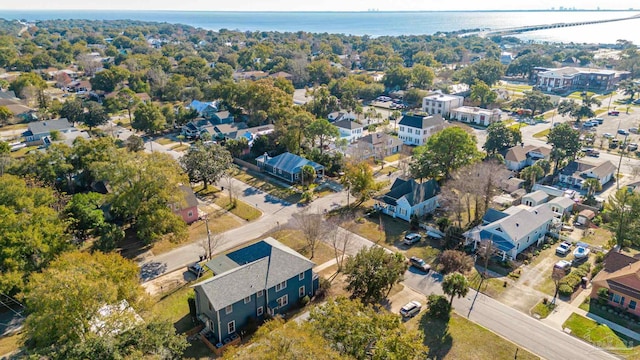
(10,344)
(287,194)
(461,339)
(238,207)
(295,240)
(593,307)
(22,152)
(601,336)
(164,141)
(491,287)
(217,223)
(20,126)
(598,237)
(178,147)
(542,133)
(577,95)
(392,231)
(514,87)
(543,310)
(518,125)
(394,157)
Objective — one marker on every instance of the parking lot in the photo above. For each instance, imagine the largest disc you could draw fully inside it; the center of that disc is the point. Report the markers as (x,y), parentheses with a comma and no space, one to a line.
(612,124)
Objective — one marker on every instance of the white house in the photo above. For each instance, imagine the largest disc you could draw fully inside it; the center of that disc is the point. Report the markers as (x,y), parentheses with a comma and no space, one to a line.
(560,206)
(442,104)
(341,115)
(476,115)
(576,172)
(513,230)
(519,157)
(349,130)
(535,198)
(415,130)
(40,129)
(407,197)
(506,58)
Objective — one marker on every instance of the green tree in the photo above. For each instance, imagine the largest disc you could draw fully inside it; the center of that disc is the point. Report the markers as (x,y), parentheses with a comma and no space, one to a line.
(579,111)
(360,332)
(500,137)
(5,115)
(455,284)
(488,71)
(320,71)
(482,93)
(358,178)
(444,152)
(5,156)
(323,103)
(439,307)
(422,76)
(72,110)
(206,163)
(397,77)
(565,142)
(237,147)
(592,185)
(322,131)
(308,174)
(372,272)
(94,115)
(623,209)
(127,99)
(536,101)
(148,118)
(134,143)
(531,174)
(108,80)
(84,213)
(26,80)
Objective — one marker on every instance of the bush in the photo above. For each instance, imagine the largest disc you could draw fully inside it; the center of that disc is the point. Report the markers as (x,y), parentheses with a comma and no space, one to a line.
(570,282)
(596,270)
(600,257)
(454,260)
(438,307)
(323,288)
(565,290)
(304,301)
(603,296)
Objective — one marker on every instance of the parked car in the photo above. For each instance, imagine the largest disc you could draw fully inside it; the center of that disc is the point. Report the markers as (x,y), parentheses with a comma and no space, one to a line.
(608,135)
(411,309)
(614,113)
(196,269)
(563,265)
(563,248)
(599,120)
(632,147)
(613,144)
(593,153)
(636,102)
(623,132)
(419,263)
(588,125)
(412,238)
(633,130)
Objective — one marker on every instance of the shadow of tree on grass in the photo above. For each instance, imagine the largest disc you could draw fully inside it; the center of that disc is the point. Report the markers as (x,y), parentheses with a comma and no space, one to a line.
(436,335)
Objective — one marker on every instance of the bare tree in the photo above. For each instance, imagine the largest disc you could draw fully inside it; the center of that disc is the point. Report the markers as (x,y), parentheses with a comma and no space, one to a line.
(230,185)
(312,226)
(556,276)
(89,64)
(486,251)
(340,239)
(210,242)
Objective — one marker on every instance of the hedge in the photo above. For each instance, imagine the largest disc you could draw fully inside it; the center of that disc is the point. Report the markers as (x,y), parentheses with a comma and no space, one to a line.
(569,283)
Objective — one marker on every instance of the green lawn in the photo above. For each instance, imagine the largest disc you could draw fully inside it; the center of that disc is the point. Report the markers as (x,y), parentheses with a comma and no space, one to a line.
(178,147)
(295,240)
(164,141)
(461,339)
(542,133)
(577,95)
(601,336)
(287,194)
(392,231)
(543,310)
(22,152)
(392,158)
(593,307)
(491,287)
(238,208)
(20,126)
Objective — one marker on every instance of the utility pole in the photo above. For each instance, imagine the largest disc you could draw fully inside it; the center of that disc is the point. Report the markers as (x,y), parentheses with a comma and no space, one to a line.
(206,223)
(624,145)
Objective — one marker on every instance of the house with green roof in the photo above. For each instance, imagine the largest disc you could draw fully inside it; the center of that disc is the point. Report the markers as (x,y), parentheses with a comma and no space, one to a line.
(261,279)
(407,198)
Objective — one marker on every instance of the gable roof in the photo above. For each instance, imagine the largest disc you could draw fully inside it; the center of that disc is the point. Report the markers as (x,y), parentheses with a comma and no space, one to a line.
(620,273)
(421,122)
(348,124)
(522,221)
(412,191)
(259,266)
(378,138)
(579,168)
(41,127)
(492,215)
(520,153)
(189,196)
(200,106)
(289,162)
(537,196)
(562,201)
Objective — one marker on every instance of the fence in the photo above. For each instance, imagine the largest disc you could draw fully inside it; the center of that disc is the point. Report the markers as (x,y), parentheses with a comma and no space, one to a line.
(573,241)
(245,164)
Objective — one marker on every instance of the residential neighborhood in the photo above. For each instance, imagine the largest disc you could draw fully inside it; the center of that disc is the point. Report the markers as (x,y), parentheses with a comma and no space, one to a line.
(170,192)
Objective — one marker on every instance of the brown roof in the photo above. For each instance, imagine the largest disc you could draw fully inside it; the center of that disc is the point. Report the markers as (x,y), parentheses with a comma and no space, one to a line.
(519,153)
(281,74)
(589,214)
(620,273)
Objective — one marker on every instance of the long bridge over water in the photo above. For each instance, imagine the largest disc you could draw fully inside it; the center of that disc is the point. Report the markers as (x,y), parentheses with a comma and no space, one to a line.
(527,28)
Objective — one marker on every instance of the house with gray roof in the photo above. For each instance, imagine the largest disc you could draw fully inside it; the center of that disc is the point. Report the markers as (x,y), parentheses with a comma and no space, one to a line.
(513,230)
(262,279)
(576,172)
(349,130)
(287,166)
(41,129)
(561,206)
(408,197)
(535,198)
(521,156)
(416,129)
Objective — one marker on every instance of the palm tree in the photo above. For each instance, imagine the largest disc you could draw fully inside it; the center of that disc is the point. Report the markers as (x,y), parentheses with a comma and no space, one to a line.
(630,88)
(531,174)
(358,111)
(592,185)
(455,284)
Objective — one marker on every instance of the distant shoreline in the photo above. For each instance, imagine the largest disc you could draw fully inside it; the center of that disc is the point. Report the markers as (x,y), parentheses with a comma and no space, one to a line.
(322,12)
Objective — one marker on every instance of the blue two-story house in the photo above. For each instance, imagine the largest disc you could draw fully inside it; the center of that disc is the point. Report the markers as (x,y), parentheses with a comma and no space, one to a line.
(263,278)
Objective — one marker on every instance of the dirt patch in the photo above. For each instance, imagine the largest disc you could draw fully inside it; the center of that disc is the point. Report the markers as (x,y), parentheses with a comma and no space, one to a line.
(167,283)
(523,294)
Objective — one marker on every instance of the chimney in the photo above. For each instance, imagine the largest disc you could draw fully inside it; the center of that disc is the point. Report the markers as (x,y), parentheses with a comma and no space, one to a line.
(517,225)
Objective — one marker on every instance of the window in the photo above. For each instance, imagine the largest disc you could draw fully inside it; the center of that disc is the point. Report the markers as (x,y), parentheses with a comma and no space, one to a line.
(283,301)
(282,285)
(401,128)
(247,299)
(616,298)
(410,130)
(632,305)
(210,307)
(228,310)
(260,293)
(301,276)
(260,311)
(231,327)
(190,214)
(301,292)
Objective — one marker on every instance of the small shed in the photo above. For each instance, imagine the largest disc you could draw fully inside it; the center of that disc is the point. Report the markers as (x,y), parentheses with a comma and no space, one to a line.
(585,216)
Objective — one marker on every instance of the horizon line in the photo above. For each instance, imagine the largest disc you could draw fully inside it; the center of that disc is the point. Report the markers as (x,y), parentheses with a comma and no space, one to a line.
(333,11)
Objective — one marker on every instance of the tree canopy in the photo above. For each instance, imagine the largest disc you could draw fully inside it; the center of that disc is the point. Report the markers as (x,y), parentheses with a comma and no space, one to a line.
(500,137)
(372,273)
(206,163)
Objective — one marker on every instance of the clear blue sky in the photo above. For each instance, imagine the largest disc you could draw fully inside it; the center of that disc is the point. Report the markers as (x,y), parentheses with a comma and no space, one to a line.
(305,5)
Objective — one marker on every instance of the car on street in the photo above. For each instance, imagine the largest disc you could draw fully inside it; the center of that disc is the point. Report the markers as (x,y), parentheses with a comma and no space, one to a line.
(614,113)
(563,248)
(196,269)
(623,132)
(599,120)
(607,135)
(411,309)
(419,263)
(412,238)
